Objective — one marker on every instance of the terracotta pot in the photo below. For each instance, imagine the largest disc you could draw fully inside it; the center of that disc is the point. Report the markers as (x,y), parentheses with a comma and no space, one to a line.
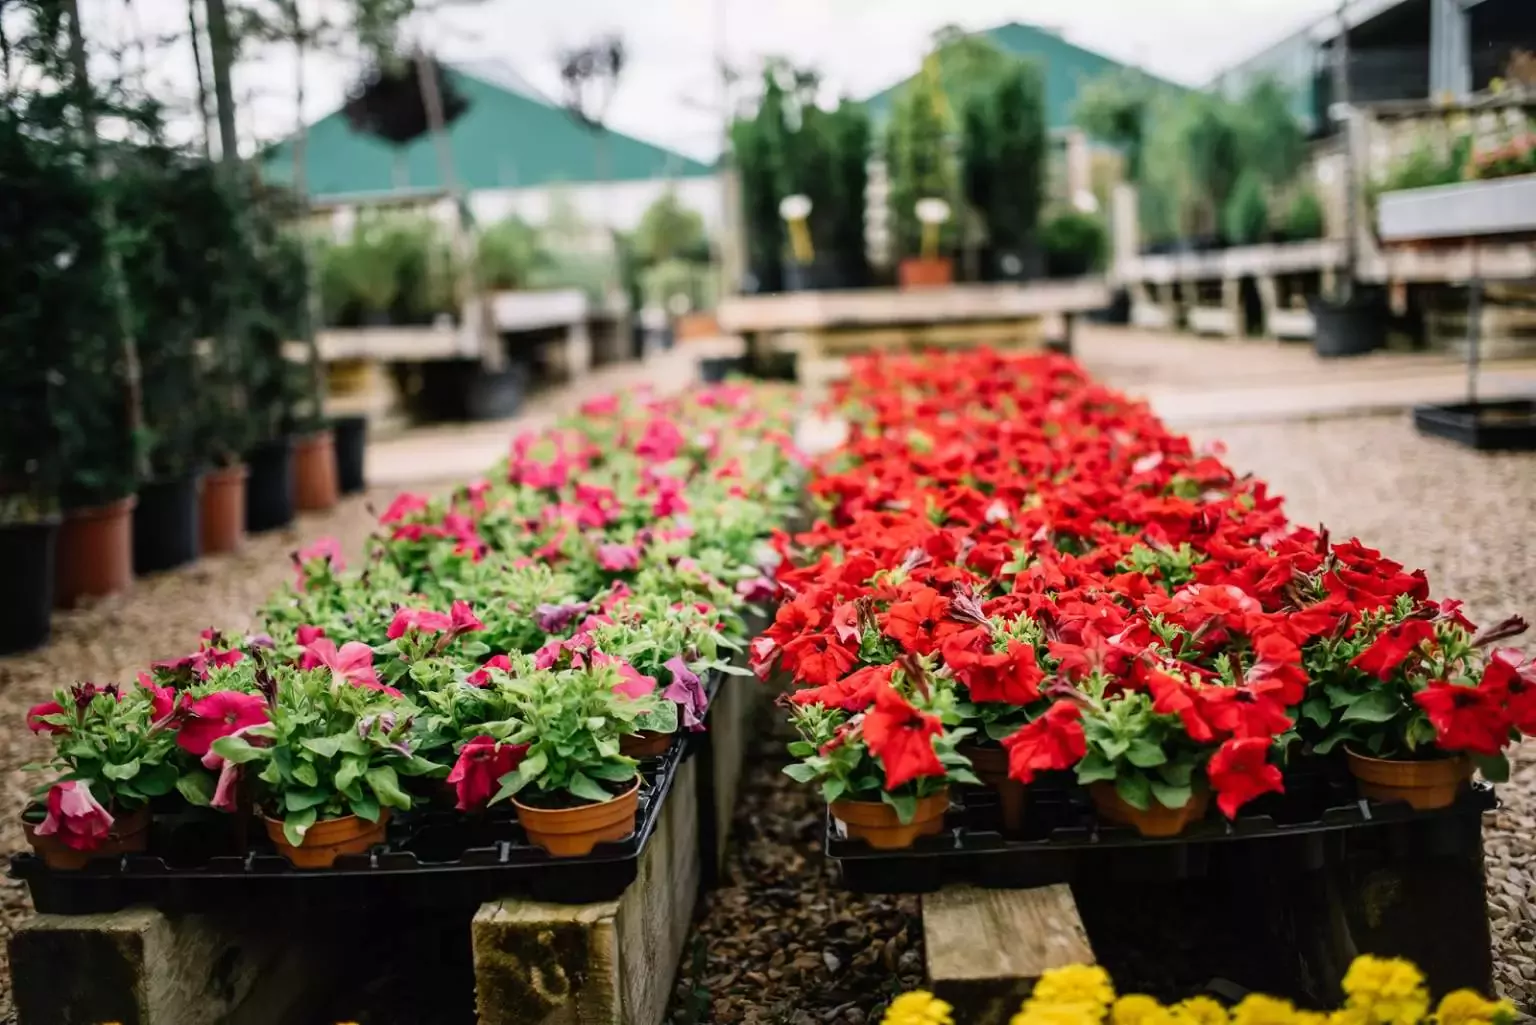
(1425,785)
(573,832)
(1156,820)
(223,512)
(129,835)
(697,325)
(920,272)
(328,839)
(95,554)
(877,824)
(645,744)
(315,484)
(991,766)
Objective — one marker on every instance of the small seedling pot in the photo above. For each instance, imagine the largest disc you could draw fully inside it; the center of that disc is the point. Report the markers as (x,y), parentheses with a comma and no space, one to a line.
(877,824)
(329,839)
(573,832)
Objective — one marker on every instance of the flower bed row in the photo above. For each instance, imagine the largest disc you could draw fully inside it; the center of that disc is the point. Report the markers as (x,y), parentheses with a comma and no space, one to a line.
(1377,991)
(1020,575)
(522,641)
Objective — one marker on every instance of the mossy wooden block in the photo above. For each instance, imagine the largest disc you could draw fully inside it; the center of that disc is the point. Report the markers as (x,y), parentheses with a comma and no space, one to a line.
(609,963)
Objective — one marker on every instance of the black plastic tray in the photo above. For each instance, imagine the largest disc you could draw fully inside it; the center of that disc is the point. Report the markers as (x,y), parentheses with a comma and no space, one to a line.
(1508,425)
(1063,839)
(431,856)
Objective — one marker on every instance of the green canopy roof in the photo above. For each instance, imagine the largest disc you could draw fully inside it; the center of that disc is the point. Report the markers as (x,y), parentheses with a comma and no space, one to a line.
(1065,67)
(506,139)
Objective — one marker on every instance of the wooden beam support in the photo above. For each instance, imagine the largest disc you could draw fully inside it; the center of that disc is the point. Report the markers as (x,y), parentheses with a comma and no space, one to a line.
(986,948)
(610,963)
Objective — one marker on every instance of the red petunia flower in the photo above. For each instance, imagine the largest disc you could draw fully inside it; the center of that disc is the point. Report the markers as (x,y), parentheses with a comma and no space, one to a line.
(75,816)
(35,718)
(902,738)
(218,715)
(482,677)
(1465,718)
(1052,742)
(1239,771)
(910,623)
(1393,647)
(477,773)
(1510,675)
(1011,677)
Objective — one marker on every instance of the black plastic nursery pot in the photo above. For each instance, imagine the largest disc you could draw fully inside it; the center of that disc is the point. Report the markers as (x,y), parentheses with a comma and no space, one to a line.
(26,584)
(1499,426)
(1350,328)
(351,438)
(166,524)
(269,493)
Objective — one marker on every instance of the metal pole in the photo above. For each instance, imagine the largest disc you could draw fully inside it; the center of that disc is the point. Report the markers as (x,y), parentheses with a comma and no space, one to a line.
(476,309)
(1340,70)
(1474,334)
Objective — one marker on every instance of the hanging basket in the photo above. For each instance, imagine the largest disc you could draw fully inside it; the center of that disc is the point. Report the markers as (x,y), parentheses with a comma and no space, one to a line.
(387,102)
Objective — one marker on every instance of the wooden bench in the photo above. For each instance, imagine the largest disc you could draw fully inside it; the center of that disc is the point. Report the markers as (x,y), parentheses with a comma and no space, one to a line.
(986,948)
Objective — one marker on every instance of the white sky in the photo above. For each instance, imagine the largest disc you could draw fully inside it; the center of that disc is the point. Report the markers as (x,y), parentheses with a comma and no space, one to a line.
(670,94)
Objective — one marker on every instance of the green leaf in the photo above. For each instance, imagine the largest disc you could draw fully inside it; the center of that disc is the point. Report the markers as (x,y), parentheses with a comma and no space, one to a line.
(306,773)
(386,787)
(127,770)
(1177,774)
(325,747)
(1144,754)
(238,750)
(1169,796)
(1094,768)
(1339,695)
(1115,748)
(832,789)
(800,772)
(905,805)
(1332,741)
(352,769)
(1373,706)
(1135,790)
(296,825)
(584,787)
(1317,710)
(365,807)
(963,775)
(615,771)
(1495,768)
(300,800)
(155,780)
(197,787)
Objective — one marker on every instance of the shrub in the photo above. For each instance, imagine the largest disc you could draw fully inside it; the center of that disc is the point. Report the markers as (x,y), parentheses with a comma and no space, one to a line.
(1075,243)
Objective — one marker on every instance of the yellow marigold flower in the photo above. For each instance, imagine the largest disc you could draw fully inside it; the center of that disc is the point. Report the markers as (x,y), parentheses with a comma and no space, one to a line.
(1074,984)
(1138,1009)
(1310,1018)
(1199,1011)
(1388,991)
(917,1008)
(1258,1009)
(1035,1013)
(1467,1007)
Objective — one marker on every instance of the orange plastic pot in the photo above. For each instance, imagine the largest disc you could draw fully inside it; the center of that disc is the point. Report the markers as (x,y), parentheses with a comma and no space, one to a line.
(129,835)
(1425,785)
(877,824)
(223,510)
(991,767)
(922,272)
(329,839)
(1156,820)
(645,744)
(95,553)
(573,832)
(315,485)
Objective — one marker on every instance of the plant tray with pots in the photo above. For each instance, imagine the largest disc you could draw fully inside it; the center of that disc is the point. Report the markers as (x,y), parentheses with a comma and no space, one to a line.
(431,856)
(1499,206)
(1063,838)
(1508,425)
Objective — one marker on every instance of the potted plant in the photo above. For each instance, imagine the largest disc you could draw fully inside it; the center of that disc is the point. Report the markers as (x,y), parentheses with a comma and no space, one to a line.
(1245,218)
(1416,704)
(50,192)
(1003,161)
(114,752)
(274,316)
(572,789)
(159,257)
(885,772)
(922,171)
(1304,216)
(325,761)
(1074,243)
(757,146)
